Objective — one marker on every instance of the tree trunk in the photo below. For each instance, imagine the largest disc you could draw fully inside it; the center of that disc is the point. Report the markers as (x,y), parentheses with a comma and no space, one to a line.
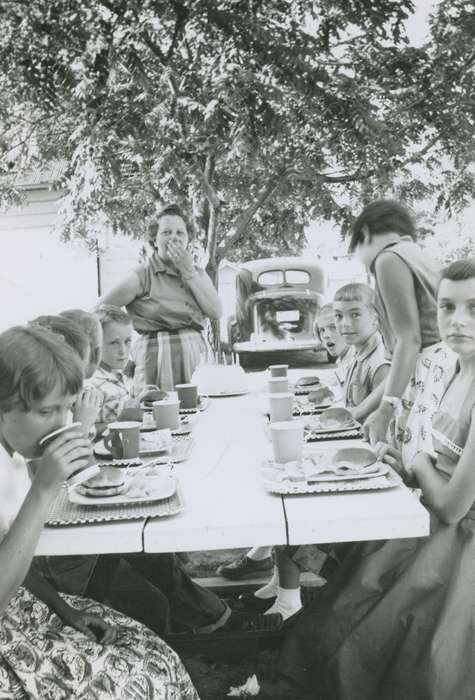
(212,269)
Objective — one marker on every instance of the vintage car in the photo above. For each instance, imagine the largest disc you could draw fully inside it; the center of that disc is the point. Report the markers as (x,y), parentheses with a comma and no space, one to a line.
(277,300)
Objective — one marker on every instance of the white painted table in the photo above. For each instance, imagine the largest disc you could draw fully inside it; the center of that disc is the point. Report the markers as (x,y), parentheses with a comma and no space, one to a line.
(226,505)
(103,538)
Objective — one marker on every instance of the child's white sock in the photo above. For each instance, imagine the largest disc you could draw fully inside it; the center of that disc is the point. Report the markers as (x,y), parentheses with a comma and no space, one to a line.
(288,602)
(259,553)
(270,589)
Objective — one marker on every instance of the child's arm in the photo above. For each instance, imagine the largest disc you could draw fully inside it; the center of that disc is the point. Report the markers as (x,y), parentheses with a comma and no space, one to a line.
(90,625)
(18,546)
(397,289)
(450,500)
(372,401)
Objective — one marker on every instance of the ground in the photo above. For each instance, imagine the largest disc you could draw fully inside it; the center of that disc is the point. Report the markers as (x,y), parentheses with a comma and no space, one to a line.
(213,676)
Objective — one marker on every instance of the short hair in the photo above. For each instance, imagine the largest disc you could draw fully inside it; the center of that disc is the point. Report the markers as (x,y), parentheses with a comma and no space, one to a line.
(87,322)
(382,216)
(356,291)
(107,313)
(68,329)
(33,361)
(166,210)
(459,270)
(325,309)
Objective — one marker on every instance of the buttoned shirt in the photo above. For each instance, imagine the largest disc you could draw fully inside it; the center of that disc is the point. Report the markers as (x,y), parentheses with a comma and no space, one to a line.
(359,382)
(114,389)
(165,301)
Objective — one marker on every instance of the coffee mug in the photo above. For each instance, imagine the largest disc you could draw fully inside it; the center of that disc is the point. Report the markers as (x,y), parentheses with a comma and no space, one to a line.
(123,442)
(167,414)
(287,440)
(278,370)
(79,476)
(187,395)
(280,407)
(278,385)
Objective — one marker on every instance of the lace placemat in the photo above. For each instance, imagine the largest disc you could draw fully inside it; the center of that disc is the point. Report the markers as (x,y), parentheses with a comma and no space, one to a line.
(65,513)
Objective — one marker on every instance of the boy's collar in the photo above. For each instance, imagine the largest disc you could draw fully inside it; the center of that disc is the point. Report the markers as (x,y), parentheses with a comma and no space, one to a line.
(105,368)
(369,345)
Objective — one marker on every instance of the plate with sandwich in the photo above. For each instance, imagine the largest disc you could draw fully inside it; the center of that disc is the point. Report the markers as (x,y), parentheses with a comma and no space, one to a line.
(113,486)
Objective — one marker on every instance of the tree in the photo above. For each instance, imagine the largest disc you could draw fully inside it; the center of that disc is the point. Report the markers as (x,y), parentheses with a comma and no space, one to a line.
(262,114)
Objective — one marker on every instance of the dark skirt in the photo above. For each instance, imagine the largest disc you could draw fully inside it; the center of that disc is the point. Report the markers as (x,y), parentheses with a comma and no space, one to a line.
(397,622)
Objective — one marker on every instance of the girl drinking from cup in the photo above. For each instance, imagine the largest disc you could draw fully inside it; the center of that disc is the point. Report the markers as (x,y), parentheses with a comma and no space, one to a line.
(398,618)
(51,645)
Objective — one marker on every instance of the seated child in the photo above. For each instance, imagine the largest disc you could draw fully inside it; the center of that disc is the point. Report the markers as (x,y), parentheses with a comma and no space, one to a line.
(92,329)
(357,323)
(398,619)
(356,320)
(259,559)
(166,599)
(335,345)
(75,329)
(109,379)
(52,645)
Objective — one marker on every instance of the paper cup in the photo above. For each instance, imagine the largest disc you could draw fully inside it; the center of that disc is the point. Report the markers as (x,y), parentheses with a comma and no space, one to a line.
(278,370)
(287,440)
(87,472)
(278,385)
(124,439)
(280,407)
(187,395)
(167,414)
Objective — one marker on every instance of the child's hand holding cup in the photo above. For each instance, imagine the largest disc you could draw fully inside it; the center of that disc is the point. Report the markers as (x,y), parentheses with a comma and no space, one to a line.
(66,456)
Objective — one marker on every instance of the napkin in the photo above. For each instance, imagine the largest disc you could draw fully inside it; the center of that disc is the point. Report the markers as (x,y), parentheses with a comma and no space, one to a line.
(251,687)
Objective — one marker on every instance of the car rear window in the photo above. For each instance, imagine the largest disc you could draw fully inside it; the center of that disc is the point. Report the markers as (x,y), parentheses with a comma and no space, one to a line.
(297,277)
(271,277)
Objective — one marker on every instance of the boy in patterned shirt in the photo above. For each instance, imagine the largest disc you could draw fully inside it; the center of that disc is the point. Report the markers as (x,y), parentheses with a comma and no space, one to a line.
(109,379)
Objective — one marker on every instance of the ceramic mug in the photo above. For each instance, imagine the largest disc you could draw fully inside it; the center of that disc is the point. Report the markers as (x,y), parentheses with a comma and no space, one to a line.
(278,370)
(124,439)
(187,395)
(167,414)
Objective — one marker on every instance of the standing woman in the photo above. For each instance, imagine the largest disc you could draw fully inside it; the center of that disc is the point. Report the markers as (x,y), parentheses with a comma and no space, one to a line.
(169,300)
(406,279)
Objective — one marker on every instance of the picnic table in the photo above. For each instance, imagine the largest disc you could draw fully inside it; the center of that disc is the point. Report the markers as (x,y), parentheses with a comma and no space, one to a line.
(227,506)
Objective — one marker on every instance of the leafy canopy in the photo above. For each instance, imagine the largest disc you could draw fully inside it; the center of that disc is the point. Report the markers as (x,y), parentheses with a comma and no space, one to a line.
(259,114)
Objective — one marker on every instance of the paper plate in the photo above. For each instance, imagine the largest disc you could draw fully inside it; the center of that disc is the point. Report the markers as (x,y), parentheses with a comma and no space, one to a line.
(154,488)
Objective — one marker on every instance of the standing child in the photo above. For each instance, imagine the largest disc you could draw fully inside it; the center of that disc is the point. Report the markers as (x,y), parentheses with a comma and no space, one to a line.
(51,645)
(405,296)
(398,619)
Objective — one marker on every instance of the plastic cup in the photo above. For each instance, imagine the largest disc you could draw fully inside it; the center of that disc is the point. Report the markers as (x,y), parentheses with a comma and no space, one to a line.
(278,370)
(124,439)
(287,440)
(78,477)
(188,395)
(167,414)
(278,385)
(280,406)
